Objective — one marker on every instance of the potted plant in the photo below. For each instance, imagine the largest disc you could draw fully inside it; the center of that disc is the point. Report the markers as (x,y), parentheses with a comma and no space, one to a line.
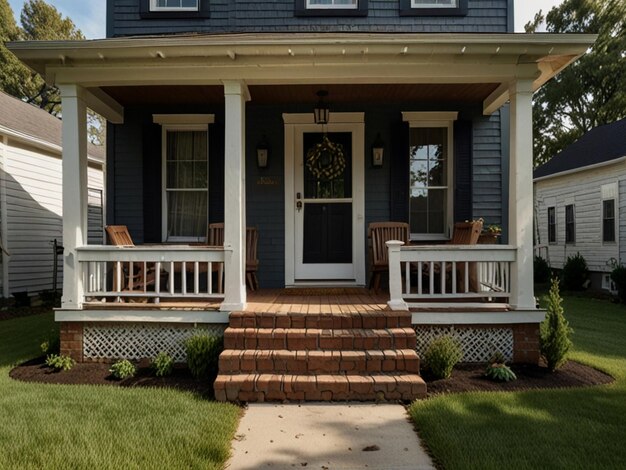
(490,235)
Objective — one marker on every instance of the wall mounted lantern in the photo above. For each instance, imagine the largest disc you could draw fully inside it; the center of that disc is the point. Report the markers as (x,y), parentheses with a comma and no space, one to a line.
(321,111)
(262,152)
(378,149)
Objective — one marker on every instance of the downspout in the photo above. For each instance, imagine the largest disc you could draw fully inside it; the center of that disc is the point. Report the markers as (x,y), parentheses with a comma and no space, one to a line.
(4,244)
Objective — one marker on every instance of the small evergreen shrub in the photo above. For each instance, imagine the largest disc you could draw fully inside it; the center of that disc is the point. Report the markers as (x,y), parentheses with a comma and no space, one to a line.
(555,331)
(499,372)
(575,272)
(618,276)
(541,270)
(123,369)
(58,362)
(163,364)
(442,355)
(203,353)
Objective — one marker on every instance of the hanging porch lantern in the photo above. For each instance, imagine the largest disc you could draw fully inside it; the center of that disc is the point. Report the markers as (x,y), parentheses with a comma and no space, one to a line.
(321,112)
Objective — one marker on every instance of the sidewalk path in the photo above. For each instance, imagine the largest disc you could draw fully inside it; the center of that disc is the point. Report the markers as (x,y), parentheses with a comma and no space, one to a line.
(328,437)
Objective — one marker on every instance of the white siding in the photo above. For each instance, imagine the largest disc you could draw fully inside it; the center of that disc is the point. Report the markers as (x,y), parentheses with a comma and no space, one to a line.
(584,190)
(34,211)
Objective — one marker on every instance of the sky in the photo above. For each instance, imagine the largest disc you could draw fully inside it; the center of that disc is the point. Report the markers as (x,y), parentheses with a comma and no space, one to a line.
(90,15)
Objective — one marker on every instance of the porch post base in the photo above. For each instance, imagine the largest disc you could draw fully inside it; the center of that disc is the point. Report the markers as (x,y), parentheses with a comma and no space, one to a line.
(398,305)
(233,307)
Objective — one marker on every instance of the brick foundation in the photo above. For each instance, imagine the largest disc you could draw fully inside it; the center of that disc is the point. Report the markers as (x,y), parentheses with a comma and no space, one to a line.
(71,337)
(526,347)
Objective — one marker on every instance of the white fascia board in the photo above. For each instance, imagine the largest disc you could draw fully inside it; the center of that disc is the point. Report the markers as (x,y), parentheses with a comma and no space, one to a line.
(141,316)
(479,318)
(615,161)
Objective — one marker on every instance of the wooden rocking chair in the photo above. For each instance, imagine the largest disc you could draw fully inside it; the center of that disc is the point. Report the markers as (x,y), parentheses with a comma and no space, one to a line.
(378,234)
(216,238)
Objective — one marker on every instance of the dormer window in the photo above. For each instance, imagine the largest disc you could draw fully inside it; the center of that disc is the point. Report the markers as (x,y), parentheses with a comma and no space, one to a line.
(174,5)
(331,7)
(433,7)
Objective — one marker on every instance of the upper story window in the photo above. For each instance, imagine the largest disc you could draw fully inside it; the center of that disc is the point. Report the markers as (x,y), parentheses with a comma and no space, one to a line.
(610,194)
(433,7)
(174,5)
(570,224)
(552,224)
(331,8)
(173,9)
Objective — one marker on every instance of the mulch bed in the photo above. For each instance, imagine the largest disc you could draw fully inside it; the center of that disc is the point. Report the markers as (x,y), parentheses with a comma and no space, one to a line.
(470,377)
(98,374)
(17,312)
(465,378)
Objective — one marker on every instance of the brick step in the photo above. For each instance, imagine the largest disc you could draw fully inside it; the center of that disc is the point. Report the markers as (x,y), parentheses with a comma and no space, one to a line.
(279,387)
(301,339)
(322,321)
(318,362)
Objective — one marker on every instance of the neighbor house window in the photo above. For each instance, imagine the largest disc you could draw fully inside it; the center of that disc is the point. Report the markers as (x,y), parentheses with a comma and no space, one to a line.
(551,224)
(430,169)
(185,170)
(570,224)
(433,7)
(608,220)
(174,5)
(331,7)
(434,3)
(332,4)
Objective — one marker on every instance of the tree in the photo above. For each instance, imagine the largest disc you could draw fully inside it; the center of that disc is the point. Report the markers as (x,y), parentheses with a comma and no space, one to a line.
(13,74)
(592,91)
(555,331)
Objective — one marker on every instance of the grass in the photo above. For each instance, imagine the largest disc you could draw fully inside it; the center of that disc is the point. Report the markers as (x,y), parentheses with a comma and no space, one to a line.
(61,426)
(567,428)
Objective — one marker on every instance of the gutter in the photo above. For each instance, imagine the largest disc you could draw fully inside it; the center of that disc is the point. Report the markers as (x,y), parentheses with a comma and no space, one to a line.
(615,161)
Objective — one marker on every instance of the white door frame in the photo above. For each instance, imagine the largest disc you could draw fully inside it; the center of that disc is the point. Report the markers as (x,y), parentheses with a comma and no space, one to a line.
(338,122)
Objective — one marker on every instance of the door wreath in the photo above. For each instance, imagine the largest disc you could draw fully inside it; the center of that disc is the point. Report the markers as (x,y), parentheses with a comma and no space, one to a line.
(326,160)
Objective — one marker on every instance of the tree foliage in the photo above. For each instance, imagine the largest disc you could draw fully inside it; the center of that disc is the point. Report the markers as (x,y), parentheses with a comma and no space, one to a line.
(555,331)
(592,91)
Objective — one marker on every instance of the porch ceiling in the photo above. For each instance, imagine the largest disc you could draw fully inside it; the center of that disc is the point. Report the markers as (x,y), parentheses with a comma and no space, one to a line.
(290,94)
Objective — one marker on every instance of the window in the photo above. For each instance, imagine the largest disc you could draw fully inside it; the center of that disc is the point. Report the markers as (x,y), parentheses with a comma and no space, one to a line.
(608,284)
(433,7)
(430,167)
(331,8)
(608,220)
(185,170)
(174,5)
(551,224)
(570,224)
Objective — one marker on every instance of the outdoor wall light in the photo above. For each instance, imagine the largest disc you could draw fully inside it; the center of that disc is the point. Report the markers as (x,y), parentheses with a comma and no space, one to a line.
(262,152)
(378,149)
(321,111)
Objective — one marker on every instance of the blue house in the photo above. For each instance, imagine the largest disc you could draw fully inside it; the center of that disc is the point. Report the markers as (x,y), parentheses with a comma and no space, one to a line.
(306,120)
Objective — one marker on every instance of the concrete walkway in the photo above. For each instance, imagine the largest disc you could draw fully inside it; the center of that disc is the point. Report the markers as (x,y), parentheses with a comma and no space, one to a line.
(327,436)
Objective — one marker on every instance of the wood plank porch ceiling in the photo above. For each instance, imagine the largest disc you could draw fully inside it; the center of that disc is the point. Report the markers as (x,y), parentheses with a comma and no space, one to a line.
(290,94)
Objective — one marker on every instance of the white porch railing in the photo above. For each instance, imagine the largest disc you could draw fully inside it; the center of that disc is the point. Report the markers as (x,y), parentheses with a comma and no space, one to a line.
(436,273)
(113,273)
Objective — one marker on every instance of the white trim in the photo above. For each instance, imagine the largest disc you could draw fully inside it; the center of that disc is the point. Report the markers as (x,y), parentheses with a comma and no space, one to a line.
(480,318)
(184,119)
(582,168)
(6,257)
(154,7)
(147,316)
(295,125)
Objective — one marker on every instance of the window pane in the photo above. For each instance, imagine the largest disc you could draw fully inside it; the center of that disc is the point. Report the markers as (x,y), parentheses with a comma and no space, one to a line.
(608,220)
(186,4)
(419,211)
(419,173)
(436,210)
(551,225)
(434,3)
(332,4)
(187,214)
(187,160)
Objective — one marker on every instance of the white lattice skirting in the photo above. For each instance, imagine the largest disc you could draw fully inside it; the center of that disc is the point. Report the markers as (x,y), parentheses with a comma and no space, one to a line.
(141,341)
(478,344)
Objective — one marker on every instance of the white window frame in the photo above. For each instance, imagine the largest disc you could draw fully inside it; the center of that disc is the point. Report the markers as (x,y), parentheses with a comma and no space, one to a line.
(331,6)
(573,206)
(416,5)
(609,192)
(179,122)
(154,7)
(432,120)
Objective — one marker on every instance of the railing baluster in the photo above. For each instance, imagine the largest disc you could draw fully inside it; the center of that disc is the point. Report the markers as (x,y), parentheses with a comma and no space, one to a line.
(407,277)
(466,276)
(210,278)
(172,277)
(419,277)
(157,282)
(443,277)
(183,278)
(432,278)
(131,274)
(454,277)
(196,277)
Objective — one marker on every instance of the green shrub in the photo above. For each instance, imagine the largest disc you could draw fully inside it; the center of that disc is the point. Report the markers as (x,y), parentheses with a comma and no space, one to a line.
(442,355)
(58,362)
(163,364)
(499,372)
(541,270)
(575,272)
(555,331)
(203,353)
(123,369)
(618,276)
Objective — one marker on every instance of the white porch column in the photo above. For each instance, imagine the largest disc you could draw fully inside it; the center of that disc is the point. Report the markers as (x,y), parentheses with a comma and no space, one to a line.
(521,194)
(74,191)
(236,94)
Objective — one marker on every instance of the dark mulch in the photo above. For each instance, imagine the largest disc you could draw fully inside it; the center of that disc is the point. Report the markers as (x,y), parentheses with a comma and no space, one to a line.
(470,377)
(98,374)
(8,313)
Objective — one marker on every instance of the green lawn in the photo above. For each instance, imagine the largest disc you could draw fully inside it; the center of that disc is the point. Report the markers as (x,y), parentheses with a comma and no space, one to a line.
(60,426)
(568,428)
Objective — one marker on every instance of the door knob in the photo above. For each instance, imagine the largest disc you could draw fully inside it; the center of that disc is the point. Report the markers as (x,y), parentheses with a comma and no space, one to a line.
(299,205)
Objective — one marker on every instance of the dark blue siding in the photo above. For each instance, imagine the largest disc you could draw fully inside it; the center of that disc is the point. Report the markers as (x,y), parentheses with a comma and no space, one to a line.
(135,193)
(484,16)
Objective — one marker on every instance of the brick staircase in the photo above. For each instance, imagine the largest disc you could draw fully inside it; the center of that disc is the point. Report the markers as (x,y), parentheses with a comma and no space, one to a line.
(328,356)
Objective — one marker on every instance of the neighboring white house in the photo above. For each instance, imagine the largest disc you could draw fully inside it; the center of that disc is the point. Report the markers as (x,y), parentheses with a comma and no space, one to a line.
(580,202)
(30,196)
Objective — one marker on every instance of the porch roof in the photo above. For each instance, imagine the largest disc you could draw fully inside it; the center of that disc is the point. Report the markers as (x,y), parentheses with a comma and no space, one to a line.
(307,58)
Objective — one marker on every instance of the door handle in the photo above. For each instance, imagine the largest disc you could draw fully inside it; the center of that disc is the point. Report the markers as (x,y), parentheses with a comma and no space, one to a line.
(299,205)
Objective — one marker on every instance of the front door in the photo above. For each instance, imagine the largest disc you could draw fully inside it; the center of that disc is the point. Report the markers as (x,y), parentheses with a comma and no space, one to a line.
(327,206)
